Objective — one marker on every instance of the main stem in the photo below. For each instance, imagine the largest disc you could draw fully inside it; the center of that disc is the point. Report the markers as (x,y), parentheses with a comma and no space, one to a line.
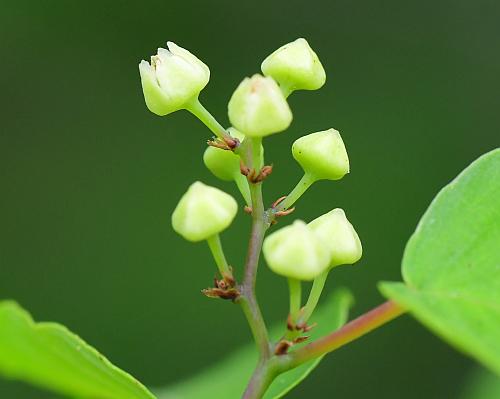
(264,372)
(263,376)
(248,299)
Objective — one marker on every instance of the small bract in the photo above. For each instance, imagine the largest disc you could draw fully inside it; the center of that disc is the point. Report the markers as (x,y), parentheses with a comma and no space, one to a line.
(202,212)
(295,251)
(339,236)
(322,155)
(295,66)
(174,77)
(258,108)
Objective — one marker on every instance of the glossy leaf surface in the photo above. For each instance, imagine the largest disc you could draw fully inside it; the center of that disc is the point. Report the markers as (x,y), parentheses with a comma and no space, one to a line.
(451,265)
(51,356)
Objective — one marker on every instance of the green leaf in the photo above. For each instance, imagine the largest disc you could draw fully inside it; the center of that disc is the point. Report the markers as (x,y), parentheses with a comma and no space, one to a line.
(228,379)
(451,264)
(50,356)
(481,385)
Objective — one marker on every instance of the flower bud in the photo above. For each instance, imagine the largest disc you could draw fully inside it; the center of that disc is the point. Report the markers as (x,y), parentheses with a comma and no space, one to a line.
(202,212)
(174,77)
(224,164)
(322,155)
(258,108)
(296,252)
(295,66)
(338,236)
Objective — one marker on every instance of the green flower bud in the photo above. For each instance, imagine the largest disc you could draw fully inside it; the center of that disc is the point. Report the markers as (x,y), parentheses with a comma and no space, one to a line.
(322,155)
(174,77)
(224,164)
(295,66)
(202,212)
(338,236)
(258,107)
(295,251)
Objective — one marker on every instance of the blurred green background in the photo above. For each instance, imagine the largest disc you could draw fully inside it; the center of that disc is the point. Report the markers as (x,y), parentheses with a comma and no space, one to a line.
(89,177)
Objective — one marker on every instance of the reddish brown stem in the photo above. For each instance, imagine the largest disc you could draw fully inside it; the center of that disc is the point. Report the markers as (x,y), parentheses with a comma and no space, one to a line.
(351,331)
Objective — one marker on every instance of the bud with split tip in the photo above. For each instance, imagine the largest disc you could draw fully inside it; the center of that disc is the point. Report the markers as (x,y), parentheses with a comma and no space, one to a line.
(258,108)
(173,79)
(322,155)
(202,212)
(295,66)
(338,236)
(295,251)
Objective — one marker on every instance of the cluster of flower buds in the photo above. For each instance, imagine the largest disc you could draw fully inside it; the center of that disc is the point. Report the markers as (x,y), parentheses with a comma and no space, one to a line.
(296,252)
(304,251)
(257,108)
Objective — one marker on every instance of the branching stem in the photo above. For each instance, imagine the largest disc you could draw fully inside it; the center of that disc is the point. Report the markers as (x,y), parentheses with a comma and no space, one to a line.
(262,377)
(301,187)
(303,316)
(356,328)
(271,365)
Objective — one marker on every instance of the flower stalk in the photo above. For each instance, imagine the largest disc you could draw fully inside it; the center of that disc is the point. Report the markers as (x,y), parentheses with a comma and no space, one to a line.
(353,330)
(198,110)
(313,299)
(295,288)
(304,183)
(215,246)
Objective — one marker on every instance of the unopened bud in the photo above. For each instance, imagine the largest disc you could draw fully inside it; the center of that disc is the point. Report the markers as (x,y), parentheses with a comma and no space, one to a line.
(224,164)
(258,108)
(295,66)
(295,251)
(338,236)
(202,212)
(322,155)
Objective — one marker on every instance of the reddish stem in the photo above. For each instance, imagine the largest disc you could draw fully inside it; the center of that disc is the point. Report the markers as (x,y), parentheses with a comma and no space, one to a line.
(351,331)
